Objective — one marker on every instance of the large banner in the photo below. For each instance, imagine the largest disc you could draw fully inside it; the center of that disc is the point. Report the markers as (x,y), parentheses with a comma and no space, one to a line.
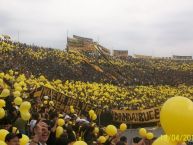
(136,116)
(63,103)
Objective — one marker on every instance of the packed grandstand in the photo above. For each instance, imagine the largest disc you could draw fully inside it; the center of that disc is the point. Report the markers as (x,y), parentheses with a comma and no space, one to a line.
(92,76)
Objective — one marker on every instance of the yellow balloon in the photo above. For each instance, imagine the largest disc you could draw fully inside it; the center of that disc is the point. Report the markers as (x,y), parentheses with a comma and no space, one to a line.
(15,130)
(25,105)
(2,113)
(149,135)
(111,130)
(16,94)
(2,74)
(59,131)
(5,93)
(94,117)
(142,132)
(25,115)
(71,107)
(11,71)
(60,115)
(18,89)
(72,110)
(51,103)
(24,140)
(123,127)
(1,81)
(16,85)
(102,139)
(2,142)
(175,117)
(45,102)
(3,134)
(96,130)
(2,103)
(163,140)
(91,113)
(60,122)
(18,100)
(80,143)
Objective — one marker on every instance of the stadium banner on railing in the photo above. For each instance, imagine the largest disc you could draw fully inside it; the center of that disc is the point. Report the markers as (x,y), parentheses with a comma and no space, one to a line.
(136,116)
(63,102)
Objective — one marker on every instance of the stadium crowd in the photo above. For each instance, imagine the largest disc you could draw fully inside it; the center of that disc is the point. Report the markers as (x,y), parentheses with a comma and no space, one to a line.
(47,124)
(59,64)
(105,82)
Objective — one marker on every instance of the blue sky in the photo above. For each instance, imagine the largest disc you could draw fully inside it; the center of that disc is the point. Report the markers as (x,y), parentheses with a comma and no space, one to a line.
(151,27)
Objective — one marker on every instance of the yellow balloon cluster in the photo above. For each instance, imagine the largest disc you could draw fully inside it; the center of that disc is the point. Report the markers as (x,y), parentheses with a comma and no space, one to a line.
(24,110)
(72,109)
(143,133)
(98,94)
(92,115)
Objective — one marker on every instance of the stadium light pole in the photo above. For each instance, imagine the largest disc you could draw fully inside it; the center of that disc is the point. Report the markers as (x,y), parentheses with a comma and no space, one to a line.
(67,41)
(18,36)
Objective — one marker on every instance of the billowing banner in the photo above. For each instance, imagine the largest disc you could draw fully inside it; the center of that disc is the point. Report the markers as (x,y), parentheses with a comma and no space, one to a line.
(136,116)
(63,102)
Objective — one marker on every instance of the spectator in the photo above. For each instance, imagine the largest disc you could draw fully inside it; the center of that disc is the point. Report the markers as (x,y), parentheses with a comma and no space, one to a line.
(123,139)
(12,139)
(41,134)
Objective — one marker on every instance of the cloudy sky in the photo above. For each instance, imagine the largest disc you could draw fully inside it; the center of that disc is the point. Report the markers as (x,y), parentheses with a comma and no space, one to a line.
(151,27)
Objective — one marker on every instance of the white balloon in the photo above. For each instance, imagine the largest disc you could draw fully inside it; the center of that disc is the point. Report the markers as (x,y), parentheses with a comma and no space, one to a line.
(46,97)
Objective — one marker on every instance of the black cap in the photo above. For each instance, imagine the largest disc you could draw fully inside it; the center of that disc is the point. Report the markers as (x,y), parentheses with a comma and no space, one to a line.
(11,136)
